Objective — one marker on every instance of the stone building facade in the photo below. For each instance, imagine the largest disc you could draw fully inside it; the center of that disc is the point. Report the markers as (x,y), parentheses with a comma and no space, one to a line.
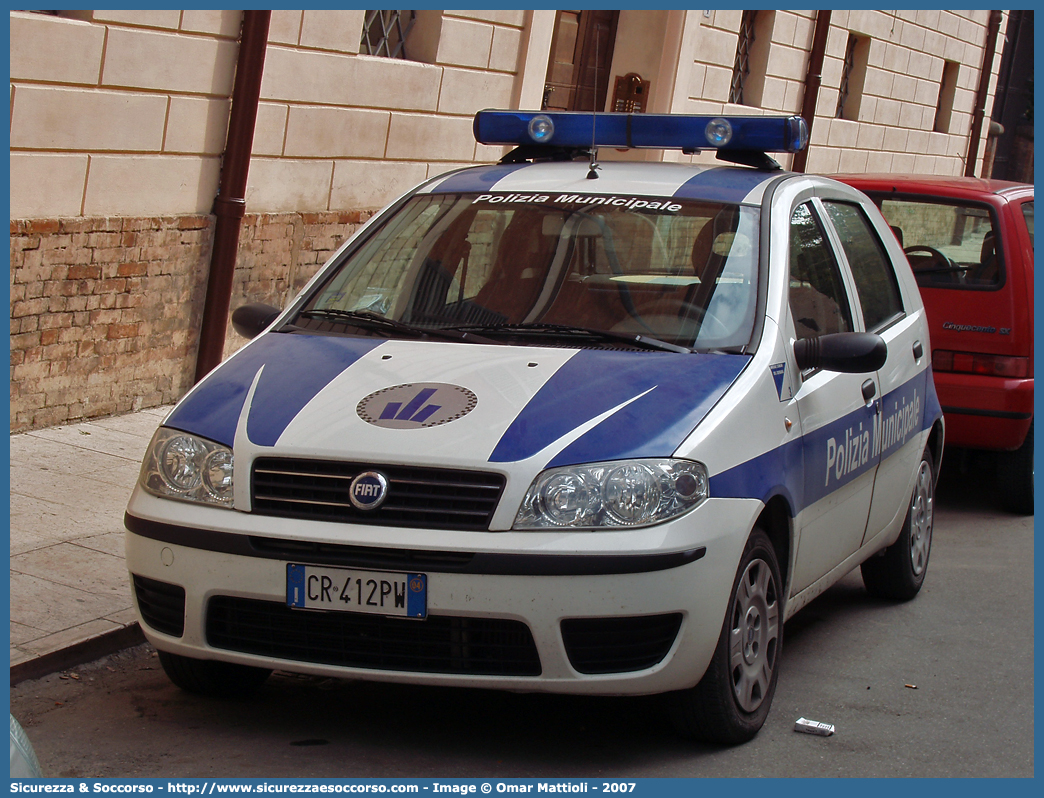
(119,120)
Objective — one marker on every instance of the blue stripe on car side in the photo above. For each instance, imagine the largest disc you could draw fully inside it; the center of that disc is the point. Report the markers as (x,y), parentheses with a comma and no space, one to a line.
(684,387)
(905,412)
(476,180)
(759,478)
(838,453)
(723,184)
(297,367)
(807,467)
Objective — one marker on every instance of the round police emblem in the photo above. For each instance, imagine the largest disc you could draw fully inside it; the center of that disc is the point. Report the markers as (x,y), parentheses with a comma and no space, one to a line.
(416,405)
(368,490)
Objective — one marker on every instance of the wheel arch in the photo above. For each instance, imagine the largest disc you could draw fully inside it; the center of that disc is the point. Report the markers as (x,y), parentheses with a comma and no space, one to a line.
(936,441)
(777,521)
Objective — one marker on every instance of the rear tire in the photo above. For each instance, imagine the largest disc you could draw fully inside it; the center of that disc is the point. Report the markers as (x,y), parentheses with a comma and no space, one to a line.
(898,573)
(732,700)
(211,677)
(1015,477)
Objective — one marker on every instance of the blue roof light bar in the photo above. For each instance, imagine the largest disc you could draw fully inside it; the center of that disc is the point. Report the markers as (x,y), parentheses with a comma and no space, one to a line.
(569,129)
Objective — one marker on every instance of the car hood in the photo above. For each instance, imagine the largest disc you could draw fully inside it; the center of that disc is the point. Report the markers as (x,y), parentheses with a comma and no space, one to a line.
(453,404)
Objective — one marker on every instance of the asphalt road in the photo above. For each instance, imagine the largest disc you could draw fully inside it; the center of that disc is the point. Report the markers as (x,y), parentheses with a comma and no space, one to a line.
(940,686)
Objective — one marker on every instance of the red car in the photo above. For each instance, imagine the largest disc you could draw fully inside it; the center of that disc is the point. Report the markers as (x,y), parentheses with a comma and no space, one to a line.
(970,243)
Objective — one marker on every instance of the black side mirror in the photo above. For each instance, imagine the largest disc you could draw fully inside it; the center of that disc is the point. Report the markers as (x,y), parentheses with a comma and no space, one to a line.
(849,353)
(252,319)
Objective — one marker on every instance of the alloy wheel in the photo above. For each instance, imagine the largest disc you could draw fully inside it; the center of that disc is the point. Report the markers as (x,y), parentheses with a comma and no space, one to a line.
(922,510)
(754,635)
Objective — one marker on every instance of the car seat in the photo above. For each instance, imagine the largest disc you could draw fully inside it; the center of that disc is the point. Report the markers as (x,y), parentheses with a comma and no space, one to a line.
(988,270)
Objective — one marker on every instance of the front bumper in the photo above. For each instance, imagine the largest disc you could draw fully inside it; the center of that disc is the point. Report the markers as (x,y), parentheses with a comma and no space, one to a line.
(577,612)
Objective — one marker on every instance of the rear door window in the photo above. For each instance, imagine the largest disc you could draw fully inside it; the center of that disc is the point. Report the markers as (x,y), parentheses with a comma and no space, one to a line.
(1027,214)
(948,244)
(878,289)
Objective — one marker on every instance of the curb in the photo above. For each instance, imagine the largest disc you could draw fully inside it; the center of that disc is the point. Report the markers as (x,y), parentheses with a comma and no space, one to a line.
(78,653)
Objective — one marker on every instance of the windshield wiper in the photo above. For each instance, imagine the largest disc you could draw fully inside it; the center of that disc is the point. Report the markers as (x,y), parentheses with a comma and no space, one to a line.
(572,331)
(368,320)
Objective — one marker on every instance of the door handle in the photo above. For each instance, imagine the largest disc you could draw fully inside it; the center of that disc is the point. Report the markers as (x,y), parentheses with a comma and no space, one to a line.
(869,392)
(918,350)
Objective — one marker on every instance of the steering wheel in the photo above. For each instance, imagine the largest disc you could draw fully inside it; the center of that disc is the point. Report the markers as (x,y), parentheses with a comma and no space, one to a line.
(710,325)
(944,263)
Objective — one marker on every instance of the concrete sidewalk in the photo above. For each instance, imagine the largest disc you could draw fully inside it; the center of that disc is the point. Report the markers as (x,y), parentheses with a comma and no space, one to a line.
(70,593)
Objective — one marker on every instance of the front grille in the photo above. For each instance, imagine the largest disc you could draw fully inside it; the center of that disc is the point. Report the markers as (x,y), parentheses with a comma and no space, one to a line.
(162,605)
(619,645)
(437,644)
(433,498)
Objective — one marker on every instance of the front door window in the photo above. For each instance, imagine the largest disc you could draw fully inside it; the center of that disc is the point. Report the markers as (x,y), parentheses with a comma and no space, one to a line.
(818,301)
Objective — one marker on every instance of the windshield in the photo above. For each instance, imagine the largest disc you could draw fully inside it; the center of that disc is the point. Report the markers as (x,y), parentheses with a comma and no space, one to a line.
(681,271)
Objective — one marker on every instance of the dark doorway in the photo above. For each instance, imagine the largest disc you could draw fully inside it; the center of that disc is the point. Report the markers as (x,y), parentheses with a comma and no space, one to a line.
(1013,104)
(581,54)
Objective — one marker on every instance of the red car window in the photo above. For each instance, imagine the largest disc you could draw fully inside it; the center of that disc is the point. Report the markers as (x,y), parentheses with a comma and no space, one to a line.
(949,244)
(1027,214)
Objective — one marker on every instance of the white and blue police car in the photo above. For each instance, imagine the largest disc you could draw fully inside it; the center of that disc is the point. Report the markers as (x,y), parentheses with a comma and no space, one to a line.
(556,425)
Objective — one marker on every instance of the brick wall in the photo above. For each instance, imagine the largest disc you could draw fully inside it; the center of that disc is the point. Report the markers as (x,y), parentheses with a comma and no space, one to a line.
(408,119)
(280,252)
(105,312)
(110,242)
(149,91)
(895,125)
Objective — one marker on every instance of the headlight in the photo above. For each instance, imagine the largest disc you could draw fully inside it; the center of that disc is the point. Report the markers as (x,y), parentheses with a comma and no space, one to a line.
(183,466)
(627,493)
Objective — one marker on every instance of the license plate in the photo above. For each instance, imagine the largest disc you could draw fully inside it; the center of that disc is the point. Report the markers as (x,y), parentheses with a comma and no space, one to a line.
(317,587)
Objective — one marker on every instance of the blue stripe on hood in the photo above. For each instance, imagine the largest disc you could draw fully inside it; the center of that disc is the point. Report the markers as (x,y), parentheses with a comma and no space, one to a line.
(684,387)
(297,367)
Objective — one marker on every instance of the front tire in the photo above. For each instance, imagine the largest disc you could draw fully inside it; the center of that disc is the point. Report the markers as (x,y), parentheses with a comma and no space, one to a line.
(898,573)
(732,700)
(211,677)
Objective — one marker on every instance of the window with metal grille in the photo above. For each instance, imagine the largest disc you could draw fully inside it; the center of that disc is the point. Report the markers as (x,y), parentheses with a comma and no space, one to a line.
(384,33)
(947,94)
(853,76)
(846,75)
(744,47)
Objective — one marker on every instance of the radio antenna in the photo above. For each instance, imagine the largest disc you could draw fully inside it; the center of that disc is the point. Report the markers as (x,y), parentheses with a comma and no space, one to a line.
(591,173)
